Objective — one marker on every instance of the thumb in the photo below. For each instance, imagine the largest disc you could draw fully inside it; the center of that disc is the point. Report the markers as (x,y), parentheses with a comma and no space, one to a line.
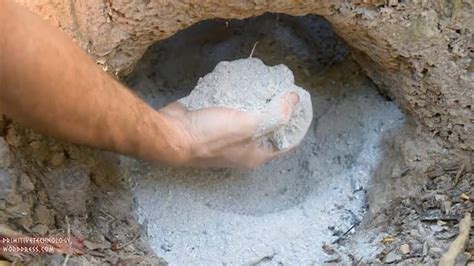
(278,112)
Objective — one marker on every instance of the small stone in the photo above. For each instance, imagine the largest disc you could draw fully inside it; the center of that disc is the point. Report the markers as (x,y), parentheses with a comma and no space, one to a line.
(57,159)
(26,184)
(40,229)
(392,257)
(405,249)
(464,196)
(441,222)
(3,205)
(35,145)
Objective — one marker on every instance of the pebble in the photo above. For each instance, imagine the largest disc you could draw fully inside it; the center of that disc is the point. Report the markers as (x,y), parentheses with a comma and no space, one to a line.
(26,184)
(57,159)
(35,145)
(441,222)
(405,249)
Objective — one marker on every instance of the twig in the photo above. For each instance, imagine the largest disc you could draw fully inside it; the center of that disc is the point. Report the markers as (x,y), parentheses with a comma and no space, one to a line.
(253,49)
(459,174)
(459,243)
(345,233)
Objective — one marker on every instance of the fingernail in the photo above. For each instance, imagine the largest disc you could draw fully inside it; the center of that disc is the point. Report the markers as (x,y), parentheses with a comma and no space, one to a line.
(293,98)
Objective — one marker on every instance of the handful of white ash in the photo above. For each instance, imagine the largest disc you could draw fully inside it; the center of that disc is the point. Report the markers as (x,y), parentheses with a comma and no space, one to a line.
(250,85)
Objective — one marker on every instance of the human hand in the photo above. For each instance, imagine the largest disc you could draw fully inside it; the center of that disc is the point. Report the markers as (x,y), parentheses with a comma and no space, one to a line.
(225,137)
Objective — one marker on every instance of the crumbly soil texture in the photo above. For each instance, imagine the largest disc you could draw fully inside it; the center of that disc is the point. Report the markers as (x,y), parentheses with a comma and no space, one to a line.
(367,185)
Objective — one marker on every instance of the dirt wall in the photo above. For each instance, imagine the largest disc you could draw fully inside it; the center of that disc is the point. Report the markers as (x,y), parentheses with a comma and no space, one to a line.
(418,51)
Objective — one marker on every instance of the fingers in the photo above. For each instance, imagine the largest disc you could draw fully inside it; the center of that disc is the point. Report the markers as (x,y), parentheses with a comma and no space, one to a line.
(239,129)
(226,137)
(255,154)
(241,124)
(289,101)
(278,112)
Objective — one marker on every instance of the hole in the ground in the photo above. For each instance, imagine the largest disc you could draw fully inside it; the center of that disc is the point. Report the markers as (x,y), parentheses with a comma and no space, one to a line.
(288,207)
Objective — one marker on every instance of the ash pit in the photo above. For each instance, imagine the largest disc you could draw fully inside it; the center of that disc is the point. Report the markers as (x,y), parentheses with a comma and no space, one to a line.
(284,211)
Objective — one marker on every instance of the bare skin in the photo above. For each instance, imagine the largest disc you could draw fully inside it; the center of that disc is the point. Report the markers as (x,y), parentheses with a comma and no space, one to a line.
(49,84)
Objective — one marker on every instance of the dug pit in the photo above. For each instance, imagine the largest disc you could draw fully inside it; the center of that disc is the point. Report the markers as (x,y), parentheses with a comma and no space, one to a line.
(410,178)
(284,211)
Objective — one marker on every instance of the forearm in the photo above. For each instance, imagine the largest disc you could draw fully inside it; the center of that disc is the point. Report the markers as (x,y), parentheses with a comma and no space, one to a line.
(48,83)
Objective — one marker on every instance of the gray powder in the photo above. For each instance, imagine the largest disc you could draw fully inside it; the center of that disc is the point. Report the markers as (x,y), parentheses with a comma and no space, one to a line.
(282,212)
(250,85)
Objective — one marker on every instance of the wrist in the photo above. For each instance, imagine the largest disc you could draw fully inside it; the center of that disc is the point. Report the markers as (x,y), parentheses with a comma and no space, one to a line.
(165,140)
